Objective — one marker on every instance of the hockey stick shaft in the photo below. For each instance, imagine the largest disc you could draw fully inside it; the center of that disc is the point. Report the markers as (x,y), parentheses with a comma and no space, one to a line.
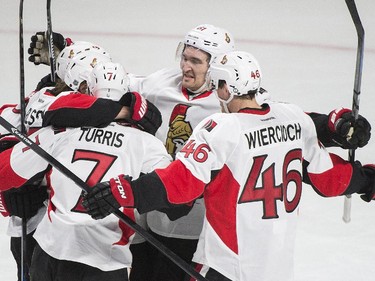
(83,185)
(51,46)
(22,69)
(357,88)
(24,265)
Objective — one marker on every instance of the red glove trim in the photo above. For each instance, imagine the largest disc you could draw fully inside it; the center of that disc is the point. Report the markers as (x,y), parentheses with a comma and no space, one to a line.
(68,41)
(334,116)
(122,191)
(3,206)
(140,107)
(9,138)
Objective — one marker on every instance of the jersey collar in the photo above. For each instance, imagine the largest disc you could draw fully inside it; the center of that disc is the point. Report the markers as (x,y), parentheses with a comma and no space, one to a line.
(258,111)
(190,96)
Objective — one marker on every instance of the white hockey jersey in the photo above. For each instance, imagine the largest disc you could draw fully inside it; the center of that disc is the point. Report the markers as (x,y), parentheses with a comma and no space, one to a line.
(10,112)
(248,166)
(93,154)
(180,114)
(37,103)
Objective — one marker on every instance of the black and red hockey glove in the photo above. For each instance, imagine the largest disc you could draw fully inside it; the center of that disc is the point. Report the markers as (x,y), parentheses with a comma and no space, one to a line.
(46,81)
(369,194)
(39,51)
(144,114)
(106,197)
(23,202)
(4,210)
(348,132)
(7,141)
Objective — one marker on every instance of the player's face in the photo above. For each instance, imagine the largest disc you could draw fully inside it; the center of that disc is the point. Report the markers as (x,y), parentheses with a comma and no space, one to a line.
(194,66)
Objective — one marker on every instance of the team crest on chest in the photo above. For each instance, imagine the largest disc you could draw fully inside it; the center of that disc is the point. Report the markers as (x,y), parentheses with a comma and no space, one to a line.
(179,129)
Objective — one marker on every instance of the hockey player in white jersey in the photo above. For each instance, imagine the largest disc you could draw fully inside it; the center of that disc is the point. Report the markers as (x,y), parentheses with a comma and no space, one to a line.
(184,98)
(76,72)
(28,202)
(249,165)
(73,65)
(71,246)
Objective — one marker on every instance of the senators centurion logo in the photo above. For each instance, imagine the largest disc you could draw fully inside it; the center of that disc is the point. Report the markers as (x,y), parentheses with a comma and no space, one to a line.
(224,60)
(71,54)
(227,38)
(179,129)
(94,62)
(201,28)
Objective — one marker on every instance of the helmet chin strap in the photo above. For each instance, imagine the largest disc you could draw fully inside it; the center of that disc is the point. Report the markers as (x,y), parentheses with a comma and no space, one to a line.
(225,103)
(225,107)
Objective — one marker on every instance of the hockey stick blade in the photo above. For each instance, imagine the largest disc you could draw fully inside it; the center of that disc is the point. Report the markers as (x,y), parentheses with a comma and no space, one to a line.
(121,216)
(357,88)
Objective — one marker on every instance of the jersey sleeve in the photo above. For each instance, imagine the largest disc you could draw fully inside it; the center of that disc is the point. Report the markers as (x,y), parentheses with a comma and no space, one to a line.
(135,82)
(76,110)
(11,113)
(328,173)
(210,145)
(20,164)
(156,154)
(144,85)
(38,102)
(324,135)
(185,178)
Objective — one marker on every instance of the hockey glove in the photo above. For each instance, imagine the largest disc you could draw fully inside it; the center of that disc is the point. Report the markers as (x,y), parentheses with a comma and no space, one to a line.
(24,202)
(369,194)
(348,132)
(4,210)
(46,81)
(7,142)
(39,51)
(144,114)
(106,197)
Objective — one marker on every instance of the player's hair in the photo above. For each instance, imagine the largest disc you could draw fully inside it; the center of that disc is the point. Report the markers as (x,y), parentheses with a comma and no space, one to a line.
(59,87)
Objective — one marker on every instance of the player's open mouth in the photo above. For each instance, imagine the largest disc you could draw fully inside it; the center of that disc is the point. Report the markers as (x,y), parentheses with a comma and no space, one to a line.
(188,76)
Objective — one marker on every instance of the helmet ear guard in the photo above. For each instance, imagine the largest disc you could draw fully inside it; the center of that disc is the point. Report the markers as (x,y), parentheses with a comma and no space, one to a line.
(108,80)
